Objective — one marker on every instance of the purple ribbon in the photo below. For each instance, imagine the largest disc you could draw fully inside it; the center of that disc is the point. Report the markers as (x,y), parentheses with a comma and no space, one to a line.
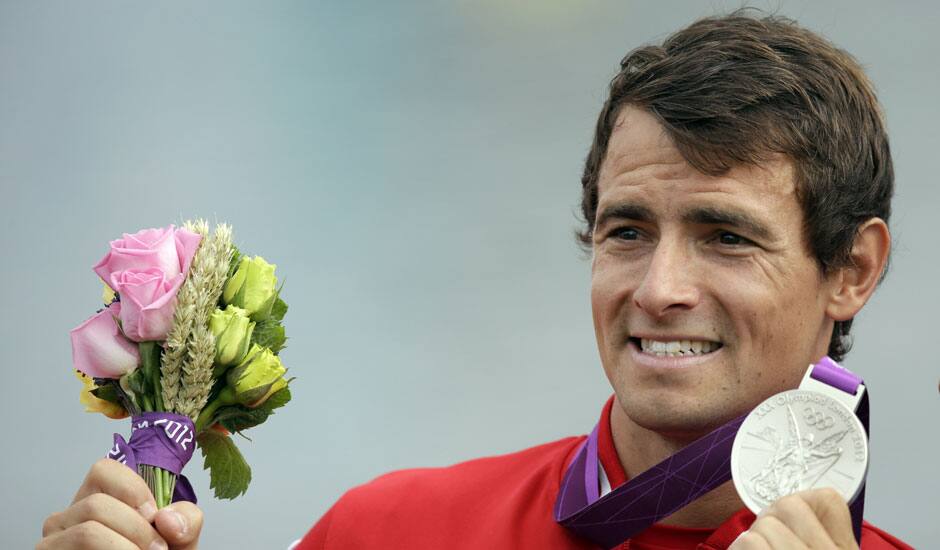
(670,485)
(161,439)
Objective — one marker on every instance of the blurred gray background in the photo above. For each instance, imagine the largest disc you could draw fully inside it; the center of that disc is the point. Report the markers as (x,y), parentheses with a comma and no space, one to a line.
(413,169)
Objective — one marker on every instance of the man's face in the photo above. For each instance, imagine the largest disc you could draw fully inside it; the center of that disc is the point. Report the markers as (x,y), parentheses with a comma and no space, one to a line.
(706,298)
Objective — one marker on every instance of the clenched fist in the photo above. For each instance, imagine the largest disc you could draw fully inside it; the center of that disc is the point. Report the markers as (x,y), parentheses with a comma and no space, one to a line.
(114,509)
(818,518)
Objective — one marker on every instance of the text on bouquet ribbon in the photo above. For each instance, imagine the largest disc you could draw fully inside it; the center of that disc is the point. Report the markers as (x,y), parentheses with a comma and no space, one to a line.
(117,453)
(176,431)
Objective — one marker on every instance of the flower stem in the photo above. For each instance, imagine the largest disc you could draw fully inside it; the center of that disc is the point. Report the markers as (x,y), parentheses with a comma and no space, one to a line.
(158,493)
(168,483)
(150,365)
(172,486)
(225,397)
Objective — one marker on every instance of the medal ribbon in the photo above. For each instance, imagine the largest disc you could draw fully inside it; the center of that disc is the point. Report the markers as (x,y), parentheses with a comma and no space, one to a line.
(673,483)
(160,439)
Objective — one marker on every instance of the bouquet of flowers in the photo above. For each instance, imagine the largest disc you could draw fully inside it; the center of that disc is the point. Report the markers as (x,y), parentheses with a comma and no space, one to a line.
(187,345)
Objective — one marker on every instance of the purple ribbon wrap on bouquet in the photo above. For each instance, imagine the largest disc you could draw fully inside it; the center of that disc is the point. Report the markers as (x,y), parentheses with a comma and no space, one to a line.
(160,439)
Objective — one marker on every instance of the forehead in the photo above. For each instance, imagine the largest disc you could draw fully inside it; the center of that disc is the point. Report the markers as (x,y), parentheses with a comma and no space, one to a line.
(641,155)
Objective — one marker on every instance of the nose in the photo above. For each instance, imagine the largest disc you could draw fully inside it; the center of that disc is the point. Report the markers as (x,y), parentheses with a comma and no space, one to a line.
(670,283)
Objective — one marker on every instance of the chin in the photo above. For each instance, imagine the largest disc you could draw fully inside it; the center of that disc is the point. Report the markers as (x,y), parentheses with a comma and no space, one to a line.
(677,418)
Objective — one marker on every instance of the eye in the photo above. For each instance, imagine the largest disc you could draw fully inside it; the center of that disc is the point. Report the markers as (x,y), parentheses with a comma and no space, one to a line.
(625,233)
(728,238)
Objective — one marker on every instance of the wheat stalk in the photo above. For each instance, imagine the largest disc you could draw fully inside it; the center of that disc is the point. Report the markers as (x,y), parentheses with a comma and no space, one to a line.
(175,347)
(208,275)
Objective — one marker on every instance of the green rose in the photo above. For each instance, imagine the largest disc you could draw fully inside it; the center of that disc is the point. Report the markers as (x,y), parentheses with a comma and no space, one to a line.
(232,330)
(253,287)
(257,377)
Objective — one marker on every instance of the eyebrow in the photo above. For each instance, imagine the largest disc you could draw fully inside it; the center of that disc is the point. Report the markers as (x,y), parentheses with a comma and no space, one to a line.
(624,211)
(705,215)
(709,215)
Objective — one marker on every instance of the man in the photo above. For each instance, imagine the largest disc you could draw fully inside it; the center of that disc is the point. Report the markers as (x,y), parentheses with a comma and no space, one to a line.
(736,197)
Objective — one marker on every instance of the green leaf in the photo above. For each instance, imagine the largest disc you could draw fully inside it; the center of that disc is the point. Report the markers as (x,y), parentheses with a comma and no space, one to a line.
(238,418)
(137,382)
(109,392)
(269,334)
(279,309)
(229,474)
(278,399)
(233,265)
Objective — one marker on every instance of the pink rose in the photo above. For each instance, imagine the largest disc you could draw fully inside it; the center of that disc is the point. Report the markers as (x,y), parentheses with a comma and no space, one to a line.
(169,249)
(99,349)
(148,298)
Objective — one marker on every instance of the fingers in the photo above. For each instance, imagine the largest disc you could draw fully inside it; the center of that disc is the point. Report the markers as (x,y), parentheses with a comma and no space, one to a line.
(811,519)
(101,510)
(86,536)
(113,478)
(798,516)
(769,532)
(833,513)
(114,509)
(180,524)
(750,540)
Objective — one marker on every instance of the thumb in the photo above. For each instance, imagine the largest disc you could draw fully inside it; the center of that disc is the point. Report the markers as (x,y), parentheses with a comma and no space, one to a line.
(180,524)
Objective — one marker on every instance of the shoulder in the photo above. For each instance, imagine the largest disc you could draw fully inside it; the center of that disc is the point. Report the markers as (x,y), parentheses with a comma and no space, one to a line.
(426,507)
(874,538)
(541,465)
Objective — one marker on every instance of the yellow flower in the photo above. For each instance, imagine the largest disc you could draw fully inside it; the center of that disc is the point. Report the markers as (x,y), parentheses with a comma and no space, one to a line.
(232,330)
(257,377)
(107,294)
(253,287)
(94,404)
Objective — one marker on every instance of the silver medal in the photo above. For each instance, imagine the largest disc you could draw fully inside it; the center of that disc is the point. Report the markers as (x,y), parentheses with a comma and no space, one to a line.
(798,440)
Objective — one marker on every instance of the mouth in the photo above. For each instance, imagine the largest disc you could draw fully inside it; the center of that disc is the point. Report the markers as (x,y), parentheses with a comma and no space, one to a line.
(676,348)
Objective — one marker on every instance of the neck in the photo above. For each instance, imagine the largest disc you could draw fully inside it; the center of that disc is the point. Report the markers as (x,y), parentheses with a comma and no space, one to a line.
(639,449)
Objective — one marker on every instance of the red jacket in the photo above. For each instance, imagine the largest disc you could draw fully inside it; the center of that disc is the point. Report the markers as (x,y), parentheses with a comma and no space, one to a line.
(501,503)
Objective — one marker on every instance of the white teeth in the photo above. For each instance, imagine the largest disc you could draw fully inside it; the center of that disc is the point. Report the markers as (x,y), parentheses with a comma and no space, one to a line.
(678,348)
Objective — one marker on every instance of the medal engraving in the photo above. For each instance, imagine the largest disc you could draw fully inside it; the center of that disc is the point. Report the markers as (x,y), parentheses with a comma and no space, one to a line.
(794,441)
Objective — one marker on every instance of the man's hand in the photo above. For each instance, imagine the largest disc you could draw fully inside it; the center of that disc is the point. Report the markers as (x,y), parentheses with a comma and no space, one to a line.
(818,518)
(114,509)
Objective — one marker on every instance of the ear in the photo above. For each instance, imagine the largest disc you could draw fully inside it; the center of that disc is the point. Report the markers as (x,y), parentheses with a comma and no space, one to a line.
(855,283)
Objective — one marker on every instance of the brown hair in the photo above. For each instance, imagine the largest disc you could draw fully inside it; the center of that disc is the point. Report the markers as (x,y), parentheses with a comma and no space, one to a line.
(736,89)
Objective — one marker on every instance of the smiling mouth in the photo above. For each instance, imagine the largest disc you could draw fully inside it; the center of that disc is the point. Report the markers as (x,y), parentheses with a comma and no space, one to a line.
(676,348)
